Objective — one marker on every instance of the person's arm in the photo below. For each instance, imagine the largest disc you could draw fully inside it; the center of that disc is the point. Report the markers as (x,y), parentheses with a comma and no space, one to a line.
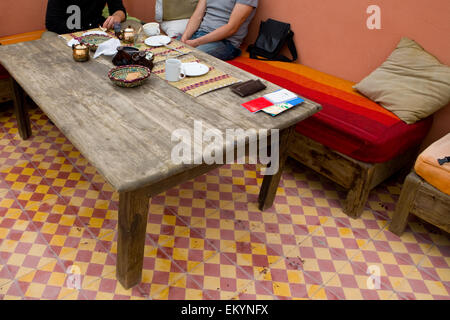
(238,16)
(56,17)
(194,21)
(119,13)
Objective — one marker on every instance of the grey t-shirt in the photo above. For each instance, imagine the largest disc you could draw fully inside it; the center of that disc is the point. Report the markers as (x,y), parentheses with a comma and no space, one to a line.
(218,13)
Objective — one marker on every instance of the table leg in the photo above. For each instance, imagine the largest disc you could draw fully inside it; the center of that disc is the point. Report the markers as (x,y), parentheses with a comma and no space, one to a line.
(133,213)
(270,182)
(20,110)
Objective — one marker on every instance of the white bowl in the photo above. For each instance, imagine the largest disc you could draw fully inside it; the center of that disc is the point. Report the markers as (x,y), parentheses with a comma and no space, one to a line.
(151,29)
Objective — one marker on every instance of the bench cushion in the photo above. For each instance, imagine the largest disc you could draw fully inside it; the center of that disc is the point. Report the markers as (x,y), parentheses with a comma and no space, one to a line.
(349,123)
(430,170)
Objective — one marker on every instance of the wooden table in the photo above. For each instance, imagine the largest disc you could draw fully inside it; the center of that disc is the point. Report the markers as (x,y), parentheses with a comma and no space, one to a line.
(126,133)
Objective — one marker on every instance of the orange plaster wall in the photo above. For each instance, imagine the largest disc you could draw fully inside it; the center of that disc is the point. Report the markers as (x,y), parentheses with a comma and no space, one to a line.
(330,35)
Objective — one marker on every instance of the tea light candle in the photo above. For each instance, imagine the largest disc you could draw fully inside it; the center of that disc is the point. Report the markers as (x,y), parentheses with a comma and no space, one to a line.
(81,52)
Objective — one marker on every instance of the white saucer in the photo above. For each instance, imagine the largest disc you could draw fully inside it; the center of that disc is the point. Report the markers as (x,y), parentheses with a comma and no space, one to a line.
(157,41)
(94,32)
(195,69)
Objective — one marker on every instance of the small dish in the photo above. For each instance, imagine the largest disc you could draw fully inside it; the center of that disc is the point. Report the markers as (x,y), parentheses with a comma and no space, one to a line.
(103,33)
(195,69)
(129,76)
(130,50)
(157,41)
(93,40)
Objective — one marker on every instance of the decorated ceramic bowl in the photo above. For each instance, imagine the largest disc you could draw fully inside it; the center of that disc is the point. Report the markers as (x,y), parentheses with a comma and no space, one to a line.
(93,40)
(129,76)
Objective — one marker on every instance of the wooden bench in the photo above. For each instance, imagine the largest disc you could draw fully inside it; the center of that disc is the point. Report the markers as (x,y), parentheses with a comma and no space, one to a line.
(6,88)
(352,141)
(424,201)
(426,191)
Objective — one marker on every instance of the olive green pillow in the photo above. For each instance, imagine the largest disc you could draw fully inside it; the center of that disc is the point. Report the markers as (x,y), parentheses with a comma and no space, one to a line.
(411,83)
(178,9)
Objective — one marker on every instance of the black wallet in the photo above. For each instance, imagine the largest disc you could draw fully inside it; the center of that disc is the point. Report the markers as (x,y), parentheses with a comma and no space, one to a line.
(247,88)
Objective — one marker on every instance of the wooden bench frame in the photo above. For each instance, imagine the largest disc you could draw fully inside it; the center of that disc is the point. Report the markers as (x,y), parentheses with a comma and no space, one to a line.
(355,176)
(420,198)
(6,90)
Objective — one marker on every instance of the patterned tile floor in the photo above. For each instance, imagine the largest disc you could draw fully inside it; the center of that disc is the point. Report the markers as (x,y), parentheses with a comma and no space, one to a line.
(206,239)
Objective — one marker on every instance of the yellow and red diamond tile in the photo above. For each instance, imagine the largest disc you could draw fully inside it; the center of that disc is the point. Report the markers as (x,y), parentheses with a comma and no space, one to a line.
(324,293)
(187,287)
(110,289)
(280,288)
(47,282)
(421,286)
(249,293)
(436,264)
(5,275)
(10,291)
(23,249)
(189,254)
(60,226)
(26,185)
(99,275)
(159,272)
(96,212)
(316,259)
(165,228)
(385,264)
(409,249)
(220,277)
(353,283)
(37,116)
(10,154)
(288,280)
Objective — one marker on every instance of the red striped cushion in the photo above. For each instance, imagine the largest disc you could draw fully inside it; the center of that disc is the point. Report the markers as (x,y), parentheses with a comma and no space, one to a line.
(349,123)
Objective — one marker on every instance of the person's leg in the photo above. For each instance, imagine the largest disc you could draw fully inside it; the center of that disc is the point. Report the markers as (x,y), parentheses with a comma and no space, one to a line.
(223,50)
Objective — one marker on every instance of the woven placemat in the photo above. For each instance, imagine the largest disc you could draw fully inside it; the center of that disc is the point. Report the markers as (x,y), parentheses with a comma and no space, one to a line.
(196,86)
(174,49)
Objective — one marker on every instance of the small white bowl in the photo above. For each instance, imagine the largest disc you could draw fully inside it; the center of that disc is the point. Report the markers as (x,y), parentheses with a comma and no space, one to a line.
(151,29)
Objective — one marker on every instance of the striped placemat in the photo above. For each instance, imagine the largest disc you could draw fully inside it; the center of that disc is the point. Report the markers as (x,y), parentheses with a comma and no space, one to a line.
(173,49)
(196,86)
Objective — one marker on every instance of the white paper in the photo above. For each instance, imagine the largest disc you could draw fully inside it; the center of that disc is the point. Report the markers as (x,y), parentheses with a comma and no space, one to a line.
(108,48)
(280,96)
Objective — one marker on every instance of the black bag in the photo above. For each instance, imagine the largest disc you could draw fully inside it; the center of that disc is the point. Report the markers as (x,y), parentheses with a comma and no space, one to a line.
(273,36)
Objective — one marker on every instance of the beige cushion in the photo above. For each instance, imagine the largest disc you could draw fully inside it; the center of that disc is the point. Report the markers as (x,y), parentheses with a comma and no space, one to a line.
(178,9)
(411,83)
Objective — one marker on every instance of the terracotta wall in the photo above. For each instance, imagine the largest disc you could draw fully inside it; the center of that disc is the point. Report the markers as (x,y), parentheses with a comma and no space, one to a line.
(331,35)
(18,16)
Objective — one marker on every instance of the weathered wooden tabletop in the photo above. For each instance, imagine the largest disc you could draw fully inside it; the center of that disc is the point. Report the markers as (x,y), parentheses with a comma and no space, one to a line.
(126,132)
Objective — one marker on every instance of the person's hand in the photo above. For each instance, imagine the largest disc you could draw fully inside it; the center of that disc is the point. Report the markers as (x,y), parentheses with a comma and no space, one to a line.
(193,43)
(111,21)
(183,38)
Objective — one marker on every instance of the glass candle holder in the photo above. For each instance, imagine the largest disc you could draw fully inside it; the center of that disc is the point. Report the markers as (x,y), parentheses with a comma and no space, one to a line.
(80,52)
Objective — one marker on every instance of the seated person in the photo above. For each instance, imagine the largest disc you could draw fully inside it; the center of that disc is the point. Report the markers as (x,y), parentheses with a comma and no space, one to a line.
(59,20)
(173,15)
(218,27)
